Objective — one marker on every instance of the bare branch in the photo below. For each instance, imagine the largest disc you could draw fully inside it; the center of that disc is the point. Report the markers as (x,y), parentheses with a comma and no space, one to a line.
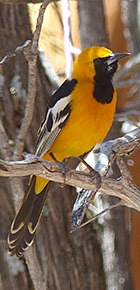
(18,50)
(123,188)
(38,27)
(119,147)
(29,105)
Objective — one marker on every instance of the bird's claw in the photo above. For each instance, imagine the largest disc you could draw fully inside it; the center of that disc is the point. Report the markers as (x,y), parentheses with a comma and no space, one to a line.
(98,178)
(62,165)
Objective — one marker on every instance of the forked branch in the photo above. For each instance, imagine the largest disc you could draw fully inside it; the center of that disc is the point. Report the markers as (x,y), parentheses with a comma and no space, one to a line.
(124,187)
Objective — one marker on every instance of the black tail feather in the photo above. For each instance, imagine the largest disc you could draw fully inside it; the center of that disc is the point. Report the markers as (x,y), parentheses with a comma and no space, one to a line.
(25,223)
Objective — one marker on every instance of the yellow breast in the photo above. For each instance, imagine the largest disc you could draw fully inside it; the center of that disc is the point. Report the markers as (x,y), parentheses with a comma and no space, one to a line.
(88,124)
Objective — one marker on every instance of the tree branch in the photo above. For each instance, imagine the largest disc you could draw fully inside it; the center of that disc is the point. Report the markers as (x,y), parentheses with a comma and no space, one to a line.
(123,188)
(38,27)
(119,147)
(29,104)
(18,50)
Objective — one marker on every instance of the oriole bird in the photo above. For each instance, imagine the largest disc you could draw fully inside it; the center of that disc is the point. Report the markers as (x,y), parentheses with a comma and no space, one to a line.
(79,115)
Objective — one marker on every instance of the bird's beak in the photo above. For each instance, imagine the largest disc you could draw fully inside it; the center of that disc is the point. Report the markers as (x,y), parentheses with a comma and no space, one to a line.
(115,57)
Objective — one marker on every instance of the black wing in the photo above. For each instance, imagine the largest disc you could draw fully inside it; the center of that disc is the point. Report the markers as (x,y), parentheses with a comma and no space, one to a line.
(58,112)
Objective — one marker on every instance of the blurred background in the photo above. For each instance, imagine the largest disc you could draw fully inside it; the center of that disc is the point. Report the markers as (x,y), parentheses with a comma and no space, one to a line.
(106,254)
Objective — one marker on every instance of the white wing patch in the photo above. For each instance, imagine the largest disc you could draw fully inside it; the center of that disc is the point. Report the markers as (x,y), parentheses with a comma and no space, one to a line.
(55,113)
(60,106)
(58,111)
(52,125)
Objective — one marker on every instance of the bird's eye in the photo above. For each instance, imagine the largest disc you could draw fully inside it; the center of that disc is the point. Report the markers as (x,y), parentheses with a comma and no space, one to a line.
(97,61)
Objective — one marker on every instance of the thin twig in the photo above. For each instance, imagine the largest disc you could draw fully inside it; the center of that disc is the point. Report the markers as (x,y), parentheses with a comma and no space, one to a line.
(29,106)
(97,216)
(38,27)
(15,52)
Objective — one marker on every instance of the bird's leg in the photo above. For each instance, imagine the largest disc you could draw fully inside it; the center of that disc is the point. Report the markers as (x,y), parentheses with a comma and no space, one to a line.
(94,172)
(62,166)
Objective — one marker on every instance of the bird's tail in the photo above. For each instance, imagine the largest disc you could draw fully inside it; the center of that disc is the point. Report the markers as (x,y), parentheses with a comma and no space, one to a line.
(25,223)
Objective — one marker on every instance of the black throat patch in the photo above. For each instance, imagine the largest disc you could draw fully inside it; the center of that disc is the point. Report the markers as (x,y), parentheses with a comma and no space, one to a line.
(103,88)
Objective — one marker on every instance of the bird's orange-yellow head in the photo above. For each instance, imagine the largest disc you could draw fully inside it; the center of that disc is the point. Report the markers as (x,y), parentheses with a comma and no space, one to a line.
(95,60)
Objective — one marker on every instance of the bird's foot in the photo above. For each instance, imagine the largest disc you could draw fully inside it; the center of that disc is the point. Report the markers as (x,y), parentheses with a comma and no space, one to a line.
(62,165)
(95,174)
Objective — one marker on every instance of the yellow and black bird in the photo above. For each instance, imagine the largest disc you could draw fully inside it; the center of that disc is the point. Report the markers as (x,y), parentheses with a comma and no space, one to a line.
(79,115)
